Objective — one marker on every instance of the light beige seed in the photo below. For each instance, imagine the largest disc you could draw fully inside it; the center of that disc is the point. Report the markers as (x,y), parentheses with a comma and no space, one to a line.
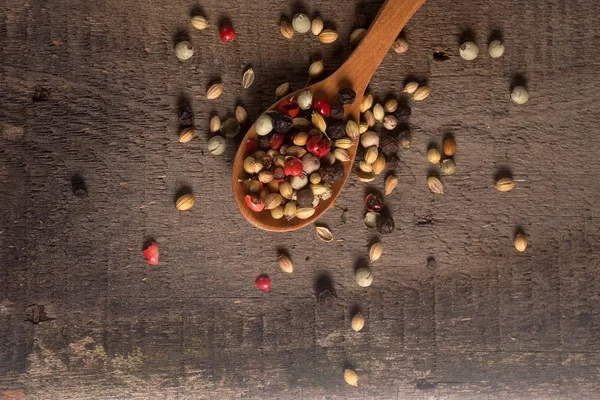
(319,122)
(214,91)
(369,139)
(375,251)
(277,212)
(379,164)
(282,89)
(520,242)
(351,377)
(371,154)
(249,165)
(295,151)
(185,202)
(199,22)
(286,29)
(400,45)
(265,176)
(289,211)
(285,263)
(273,200)
(391,105)
(378,112)
(435,185)
(390,122)
(240,115)
(411,87)
(358,322)
(352,129)
(305,212)
(215,124)
(316,26)
(363,127)
(300,138)
(315,178)
(324,234)
(187,134)
(421,93)
(344,143)
(248,78)
(390,184)
(434,156)
(505,184)
(369,118)
(285,189)
(328,36)
(365,167)
(367,102)
(341,155)
(316,69)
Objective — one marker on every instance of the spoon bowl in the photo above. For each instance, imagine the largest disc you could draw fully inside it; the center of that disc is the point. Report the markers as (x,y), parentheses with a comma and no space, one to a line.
(355,73)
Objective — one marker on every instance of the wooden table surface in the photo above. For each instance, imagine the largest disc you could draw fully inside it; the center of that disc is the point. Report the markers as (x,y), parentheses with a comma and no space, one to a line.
(487,323)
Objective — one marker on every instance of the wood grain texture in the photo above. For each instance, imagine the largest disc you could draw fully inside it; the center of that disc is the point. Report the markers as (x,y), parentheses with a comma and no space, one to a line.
(356,74)
(488,323)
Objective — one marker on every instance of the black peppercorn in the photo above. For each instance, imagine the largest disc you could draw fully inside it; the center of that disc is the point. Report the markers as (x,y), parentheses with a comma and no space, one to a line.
(305,114)
(282,123)
(264,142)
(385,224)
(347,96)
(337,130)
(305,198)
(79,187)
(388,145)
(332,173)
(337,112)
(392,162)
(403,112)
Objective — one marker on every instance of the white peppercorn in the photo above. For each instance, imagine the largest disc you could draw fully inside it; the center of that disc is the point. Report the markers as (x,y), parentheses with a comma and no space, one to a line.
(263,125)
(184,50)
(217,145)
(469,51)
(305,99)
(519,95)
(496,48)
(301,23)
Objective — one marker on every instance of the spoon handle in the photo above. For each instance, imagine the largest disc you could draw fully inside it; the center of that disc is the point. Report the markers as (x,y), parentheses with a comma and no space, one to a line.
(364,61)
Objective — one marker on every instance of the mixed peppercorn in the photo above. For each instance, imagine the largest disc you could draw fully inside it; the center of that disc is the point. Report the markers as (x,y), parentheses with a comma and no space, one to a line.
(296,156)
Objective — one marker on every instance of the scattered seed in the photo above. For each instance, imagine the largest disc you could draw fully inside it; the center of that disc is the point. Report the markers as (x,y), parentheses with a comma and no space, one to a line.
(469,51)
(520,242)
(214,91)
(248,78)
(324,234)
(400,45)
(435,185)
(282,89)
(328,36)
(286,29)
(241,115)
(316,69)
(519,95)
(316,26)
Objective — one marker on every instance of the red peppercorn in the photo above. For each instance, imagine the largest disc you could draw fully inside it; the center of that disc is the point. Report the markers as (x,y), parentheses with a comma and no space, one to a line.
(227,33)
(278,174)
(151,253)
(318,146)
(293,167)
(289,107)
(254,203)
(263,283)
(322,107)
(277,140)
(373,203)
(251,146)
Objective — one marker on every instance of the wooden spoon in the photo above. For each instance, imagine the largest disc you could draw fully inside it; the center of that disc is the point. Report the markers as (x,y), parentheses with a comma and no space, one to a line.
(355,73)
